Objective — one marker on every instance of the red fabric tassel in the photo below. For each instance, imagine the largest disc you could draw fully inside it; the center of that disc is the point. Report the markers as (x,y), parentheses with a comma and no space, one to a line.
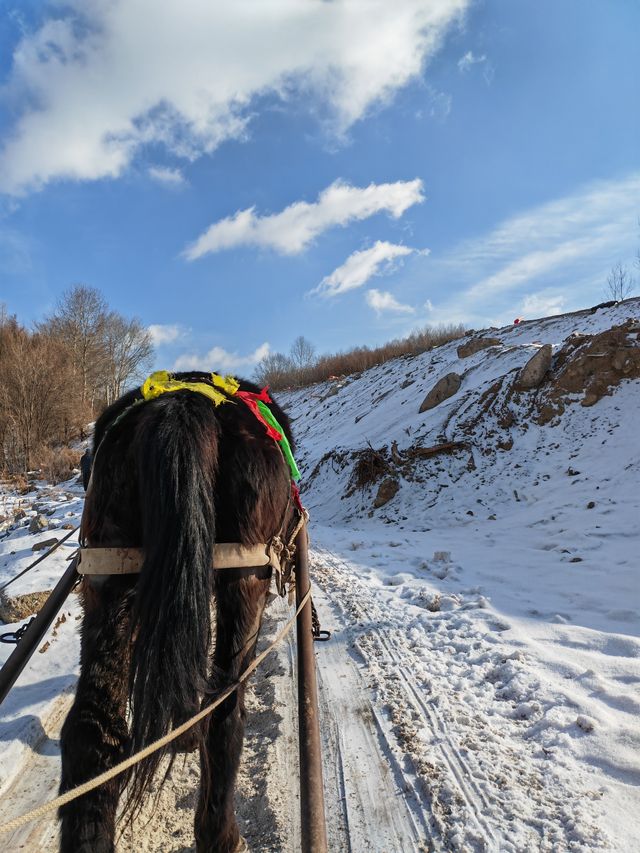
(250,398)
(295,493)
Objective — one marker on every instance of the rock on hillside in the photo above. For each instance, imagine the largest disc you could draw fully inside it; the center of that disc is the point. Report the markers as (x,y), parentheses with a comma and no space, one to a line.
(513,398)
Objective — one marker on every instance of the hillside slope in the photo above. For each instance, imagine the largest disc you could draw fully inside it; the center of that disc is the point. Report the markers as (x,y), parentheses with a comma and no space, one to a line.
(493,595)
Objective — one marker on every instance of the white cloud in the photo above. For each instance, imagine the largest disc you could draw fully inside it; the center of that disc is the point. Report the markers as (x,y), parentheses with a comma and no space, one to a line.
(99,80)
(562,249)
(468,60)
(166,175)
(164,334)
(543,304)
(220,360)
(382,301)
(294,228)
(363,265)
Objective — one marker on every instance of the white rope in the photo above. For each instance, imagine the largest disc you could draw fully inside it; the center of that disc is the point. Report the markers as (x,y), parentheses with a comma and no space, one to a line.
(90,785)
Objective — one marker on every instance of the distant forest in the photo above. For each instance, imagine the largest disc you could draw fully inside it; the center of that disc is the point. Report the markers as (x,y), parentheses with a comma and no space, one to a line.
(57,377)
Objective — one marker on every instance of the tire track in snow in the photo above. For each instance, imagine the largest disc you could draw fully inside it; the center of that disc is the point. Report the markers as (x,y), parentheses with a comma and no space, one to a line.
(461,769)
(451,692)
(372,804)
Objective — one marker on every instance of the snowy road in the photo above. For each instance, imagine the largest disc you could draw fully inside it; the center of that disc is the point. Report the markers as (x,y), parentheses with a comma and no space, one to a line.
(372,803)
(426,717)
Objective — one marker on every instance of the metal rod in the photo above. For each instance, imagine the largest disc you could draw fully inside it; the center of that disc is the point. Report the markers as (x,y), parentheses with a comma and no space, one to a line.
(20,656)
(39,560)
(312,818)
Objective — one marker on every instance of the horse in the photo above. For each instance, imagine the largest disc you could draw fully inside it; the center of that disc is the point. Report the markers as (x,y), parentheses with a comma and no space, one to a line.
(173,475)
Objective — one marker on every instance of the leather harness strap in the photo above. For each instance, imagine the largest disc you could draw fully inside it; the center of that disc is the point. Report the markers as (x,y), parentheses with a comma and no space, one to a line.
(277,553)
(128,561)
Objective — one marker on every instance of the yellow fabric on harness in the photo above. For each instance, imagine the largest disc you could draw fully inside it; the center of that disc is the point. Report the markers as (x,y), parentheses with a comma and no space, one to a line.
(162,382)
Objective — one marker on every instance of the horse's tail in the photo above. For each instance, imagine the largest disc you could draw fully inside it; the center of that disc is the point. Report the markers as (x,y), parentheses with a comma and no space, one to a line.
(177,452)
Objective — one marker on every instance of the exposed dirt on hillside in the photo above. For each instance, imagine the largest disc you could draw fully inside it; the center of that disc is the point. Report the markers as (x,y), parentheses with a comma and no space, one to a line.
(18,607)
(591,366)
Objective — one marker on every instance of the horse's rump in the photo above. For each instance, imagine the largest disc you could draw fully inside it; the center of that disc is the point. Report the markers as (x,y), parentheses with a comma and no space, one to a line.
(172,476)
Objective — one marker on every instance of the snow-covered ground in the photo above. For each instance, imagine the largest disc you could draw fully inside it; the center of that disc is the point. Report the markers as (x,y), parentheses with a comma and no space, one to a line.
(54,670)
(482,687)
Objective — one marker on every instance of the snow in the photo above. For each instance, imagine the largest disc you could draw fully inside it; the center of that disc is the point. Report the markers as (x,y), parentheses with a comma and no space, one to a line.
(499,601)
(55,669)
(480,691)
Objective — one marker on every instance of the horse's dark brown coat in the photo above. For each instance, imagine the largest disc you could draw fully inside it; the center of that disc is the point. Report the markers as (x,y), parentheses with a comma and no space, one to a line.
(172,476)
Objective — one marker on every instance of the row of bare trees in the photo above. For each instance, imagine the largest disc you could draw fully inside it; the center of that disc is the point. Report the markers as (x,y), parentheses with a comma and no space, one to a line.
(58,376)
(302,367)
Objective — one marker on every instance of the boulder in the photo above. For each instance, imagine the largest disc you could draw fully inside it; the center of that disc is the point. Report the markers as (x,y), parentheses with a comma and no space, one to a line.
(589,399)
(330,393)
(475,345)
(19,514)
(442,390)
(622,362)
(46,543)
(19,607)
(38,523)
(386,490)
(532,374)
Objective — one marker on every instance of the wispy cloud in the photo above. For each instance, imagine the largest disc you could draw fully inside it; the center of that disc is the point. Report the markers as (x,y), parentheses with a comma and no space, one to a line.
(165,334)
(384,302)
(15,252)
(362,265)
(560,249)
(440,106)
(97,82)
(167,176)
(294,228)
(221,360)
(466,62)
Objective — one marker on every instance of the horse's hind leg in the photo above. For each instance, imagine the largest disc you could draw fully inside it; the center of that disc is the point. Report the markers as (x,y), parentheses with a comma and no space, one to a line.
(239,607)
(94,736)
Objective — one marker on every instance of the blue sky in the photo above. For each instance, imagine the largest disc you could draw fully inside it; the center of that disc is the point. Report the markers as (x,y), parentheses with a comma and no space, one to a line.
(344,170)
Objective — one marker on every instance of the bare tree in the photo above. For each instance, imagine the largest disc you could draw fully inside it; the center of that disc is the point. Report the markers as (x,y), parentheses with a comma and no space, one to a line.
(128,351)
(79,322)
(302,353)
(54,378)
(272,369)
(35,372)
(107,350)
(620,283)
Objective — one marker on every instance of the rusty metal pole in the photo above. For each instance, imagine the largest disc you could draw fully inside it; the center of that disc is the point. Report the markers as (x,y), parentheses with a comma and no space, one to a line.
(20,656)
(314,831)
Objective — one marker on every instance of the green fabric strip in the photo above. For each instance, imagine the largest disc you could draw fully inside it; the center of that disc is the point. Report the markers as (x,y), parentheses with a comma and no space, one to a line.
(285,447)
